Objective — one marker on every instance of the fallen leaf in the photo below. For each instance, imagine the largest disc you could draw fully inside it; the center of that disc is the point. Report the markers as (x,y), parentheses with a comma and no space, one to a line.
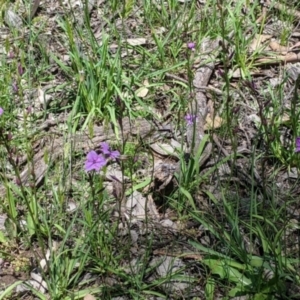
(293,70)
(43,98)
(163,149)
(89,297)
(137,41)
(257,42)
(138,206)
(142,92)
(277,47)
(238,73)
(213,123)
(285,118)
(13,20)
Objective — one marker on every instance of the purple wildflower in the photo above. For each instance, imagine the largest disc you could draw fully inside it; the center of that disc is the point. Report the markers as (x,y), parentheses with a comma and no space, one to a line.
(297,144)
(105,148)
(1,111)
(191,45)
(108,153)
(20,70)
(94,161)
(190,119)
(114,154)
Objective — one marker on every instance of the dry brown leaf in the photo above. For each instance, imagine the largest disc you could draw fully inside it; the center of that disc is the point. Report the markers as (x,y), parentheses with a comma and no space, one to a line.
(239,74)
(13,20)
(213,123)
(137,41)
(143,91)
(89,297)
(277,47)
(293,70)
(288,58)
(164,149)
(166,87)
(257,42)
(285,118)
(42,98)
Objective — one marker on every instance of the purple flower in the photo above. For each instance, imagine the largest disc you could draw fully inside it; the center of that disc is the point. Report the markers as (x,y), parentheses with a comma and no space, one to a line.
(105,148)
(94,161)
(1,111)
(20,70)
(190,119)
(297,144)
(191,45)
(114,154)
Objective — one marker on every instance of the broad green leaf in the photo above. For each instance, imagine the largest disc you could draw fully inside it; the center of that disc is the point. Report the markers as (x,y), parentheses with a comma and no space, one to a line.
(211,252)
(2,237)
(237,290)
(256,261)
(210,289)
(225,271)
(261,296)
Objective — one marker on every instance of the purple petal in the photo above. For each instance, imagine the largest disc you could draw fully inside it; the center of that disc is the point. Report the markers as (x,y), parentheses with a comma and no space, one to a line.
(98,166)
(191,45)
(89,166)
(92,156)
(105,148)
(1,111)
(20,70)
(114,154)
(94,161)
(190,119)
(297,144)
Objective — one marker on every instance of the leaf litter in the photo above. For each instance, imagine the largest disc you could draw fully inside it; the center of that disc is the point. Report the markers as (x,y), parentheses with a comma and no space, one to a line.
(147,211)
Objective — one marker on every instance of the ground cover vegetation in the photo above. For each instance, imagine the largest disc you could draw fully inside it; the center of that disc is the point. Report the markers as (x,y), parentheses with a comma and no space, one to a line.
(149,149)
